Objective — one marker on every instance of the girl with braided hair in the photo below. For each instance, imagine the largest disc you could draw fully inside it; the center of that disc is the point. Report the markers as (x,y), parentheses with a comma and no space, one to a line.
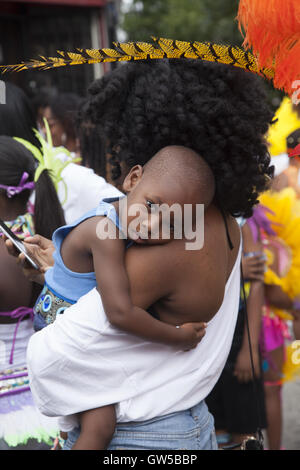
(22,426)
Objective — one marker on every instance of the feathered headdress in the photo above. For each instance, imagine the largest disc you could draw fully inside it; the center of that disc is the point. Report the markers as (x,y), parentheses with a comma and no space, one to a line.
(47,157)
(160,49)
(272,30)
(287,121)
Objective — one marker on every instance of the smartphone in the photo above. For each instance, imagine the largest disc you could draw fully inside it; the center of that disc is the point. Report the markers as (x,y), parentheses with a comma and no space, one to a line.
(17,242)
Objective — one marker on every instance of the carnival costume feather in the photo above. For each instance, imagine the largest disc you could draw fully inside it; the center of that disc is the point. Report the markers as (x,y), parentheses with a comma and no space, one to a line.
(278,220)
(271,27)
(272,30)
(284,216)
(48,157)
(287,121)
(160,49)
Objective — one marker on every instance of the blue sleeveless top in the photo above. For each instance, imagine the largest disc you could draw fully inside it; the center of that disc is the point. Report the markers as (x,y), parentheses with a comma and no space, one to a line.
(67,284)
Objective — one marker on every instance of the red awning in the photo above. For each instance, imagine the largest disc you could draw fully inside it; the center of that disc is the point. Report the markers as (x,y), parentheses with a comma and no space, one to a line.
(79,3)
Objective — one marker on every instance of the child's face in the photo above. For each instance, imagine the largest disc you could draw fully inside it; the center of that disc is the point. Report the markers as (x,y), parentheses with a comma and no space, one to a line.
(149,199)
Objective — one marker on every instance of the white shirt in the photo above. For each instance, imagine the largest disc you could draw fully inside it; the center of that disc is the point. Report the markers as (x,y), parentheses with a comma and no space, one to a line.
(81,189)
(281,163)
(84,191)
(81,362)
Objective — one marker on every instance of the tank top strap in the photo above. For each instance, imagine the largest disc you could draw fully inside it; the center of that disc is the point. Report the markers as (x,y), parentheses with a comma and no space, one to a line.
(226,228)
(105,208)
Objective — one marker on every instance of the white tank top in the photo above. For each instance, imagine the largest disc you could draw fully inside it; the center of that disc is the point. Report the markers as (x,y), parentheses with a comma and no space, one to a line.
(81,362)
(184,379)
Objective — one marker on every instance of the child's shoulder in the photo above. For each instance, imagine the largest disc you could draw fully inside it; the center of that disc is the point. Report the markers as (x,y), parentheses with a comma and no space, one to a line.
(97,229)
(88,226)
(99,224)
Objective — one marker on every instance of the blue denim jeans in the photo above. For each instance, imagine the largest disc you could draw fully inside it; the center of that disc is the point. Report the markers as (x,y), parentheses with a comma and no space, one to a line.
(191,429)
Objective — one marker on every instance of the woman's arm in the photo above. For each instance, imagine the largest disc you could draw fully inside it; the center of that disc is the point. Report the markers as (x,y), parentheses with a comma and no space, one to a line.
(278,298)
(255,302)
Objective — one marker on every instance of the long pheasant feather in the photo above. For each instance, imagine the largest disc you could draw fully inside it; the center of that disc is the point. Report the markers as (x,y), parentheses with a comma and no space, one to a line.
(160,49)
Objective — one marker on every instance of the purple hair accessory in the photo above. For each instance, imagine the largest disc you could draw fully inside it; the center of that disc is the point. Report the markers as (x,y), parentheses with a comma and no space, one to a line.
(259,220)
(11,191)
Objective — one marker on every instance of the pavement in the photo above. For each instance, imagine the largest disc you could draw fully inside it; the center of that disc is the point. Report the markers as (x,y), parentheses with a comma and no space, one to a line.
(291,415)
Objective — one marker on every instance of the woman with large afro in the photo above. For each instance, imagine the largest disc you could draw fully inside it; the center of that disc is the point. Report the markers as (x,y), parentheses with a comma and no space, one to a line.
(218,111)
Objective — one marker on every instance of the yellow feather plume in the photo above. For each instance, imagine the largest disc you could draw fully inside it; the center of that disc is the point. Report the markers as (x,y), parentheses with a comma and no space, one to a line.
(160,49)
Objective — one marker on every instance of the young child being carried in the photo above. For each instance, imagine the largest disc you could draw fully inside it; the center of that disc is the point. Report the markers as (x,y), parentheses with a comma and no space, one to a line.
(85,258)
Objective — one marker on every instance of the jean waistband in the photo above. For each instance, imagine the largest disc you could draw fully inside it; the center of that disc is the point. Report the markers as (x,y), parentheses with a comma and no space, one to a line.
(195,411)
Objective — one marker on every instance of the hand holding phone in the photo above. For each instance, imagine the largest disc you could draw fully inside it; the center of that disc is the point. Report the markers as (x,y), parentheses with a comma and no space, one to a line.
(17,243)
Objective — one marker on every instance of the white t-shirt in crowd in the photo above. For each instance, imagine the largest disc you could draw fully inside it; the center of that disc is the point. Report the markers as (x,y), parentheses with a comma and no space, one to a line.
(84,191)
(281,163)
(81,189)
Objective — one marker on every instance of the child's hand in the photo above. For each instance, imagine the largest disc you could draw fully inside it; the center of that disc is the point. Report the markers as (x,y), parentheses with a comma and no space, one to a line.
(59,441)
(192,334)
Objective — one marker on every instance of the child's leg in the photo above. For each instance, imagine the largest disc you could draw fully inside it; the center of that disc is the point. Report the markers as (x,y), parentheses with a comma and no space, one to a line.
(97,428)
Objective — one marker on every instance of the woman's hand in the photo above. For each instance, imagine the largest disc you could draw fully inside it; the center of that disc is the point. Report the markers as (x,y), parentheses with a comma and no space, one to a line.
(243,369)
(41,250)
(254,267)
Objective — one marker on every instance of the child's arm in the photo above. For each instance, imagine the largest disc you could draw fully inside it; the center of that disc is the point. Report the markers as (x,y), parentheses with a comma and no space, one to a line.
(113,285)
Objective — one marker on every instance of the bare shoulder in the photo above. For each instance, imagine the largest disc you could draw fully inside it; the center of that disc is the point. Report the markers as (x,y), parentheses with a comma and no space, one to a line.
(220,248)
(193,280)
(215,254)
(205,272)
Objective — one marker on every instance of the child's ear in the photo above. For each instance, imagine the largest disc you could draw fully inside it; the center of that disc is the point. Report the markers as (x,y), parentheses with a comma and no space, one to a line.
(133,178)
